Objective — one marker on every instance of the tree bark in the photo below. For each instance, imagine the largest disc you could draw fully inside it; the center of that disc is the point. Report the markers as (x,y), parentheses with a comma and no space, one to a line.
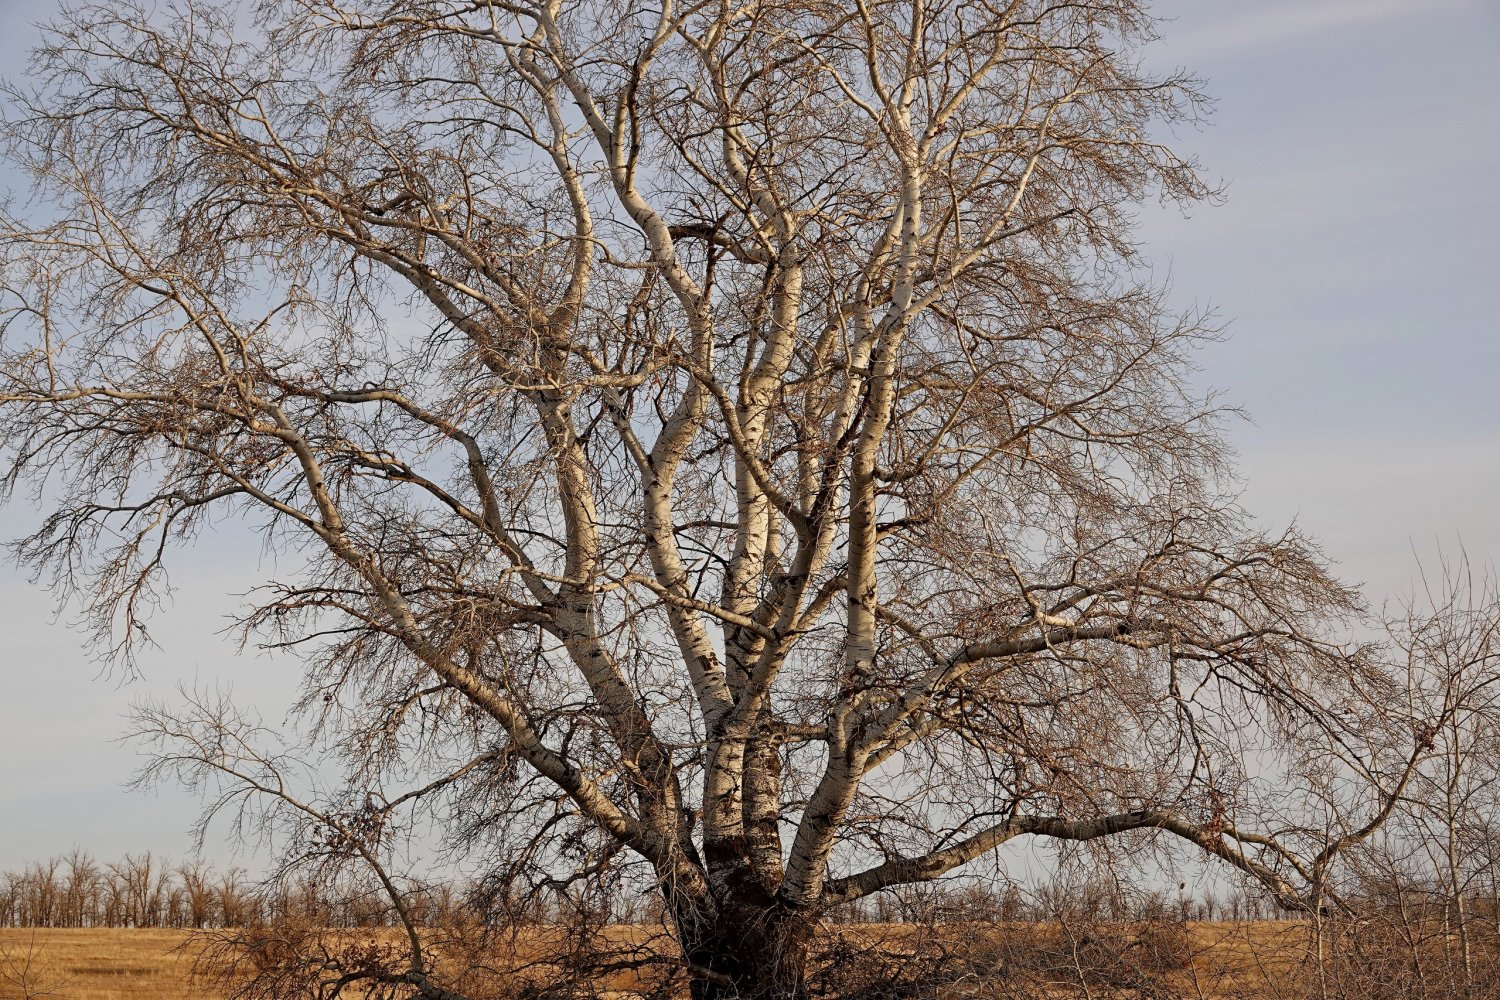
(745,949)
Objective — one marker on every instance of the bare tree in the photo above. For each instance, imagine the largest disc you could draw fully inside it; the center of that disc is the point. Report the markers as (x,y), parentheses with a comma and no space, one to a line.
(1419,921)
(739,438)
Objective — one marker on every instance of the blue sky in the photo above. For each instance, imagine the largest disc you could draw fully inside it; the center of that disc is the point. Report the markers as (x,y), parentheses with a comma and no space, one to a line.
(1356,263)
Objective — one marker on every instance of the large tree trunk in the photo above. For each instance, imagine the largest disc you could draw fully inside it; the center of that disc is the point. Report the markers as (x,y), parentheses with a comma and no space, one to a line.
(745,950)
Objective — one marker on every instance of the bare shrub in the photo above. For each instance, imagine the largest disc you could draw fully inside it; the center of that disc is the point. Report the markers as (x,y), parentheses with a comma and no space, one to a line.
(27,974)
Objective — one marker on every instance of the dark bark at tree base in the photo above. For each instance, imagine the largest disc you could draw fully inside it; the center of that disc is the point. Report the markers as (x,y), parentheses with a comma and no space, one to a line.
(747,953)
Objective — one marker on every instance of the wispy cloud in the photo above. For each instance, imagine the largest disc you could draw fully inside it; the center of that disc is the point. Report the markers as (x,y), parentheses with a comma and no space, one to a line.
(1257,26)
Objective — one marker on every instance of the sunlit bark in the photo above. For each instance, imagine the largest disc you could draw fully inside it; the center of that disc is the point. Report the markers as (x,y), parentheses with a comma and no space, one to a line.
(750,422)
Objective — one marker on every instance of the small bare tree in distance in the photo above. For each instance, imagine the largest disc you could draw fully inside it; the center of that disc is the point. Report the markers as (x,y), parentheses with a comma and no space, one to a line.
(739,438)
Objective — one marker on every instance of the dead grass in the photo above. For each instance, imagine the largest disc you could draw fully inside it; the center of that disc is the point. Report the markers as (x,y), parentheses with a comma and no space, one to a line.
(1227,960)
(97,964)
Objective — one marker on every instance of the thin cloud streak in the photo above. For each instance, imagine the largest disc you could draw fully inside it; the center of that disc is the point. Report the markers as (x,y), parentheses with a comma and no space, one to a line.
(1252,31)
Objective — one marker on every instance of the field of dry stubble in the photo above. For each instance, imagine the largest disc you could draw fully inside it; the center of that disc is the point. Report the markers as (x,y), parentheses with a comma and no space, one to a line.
(95,964)
(1237,960)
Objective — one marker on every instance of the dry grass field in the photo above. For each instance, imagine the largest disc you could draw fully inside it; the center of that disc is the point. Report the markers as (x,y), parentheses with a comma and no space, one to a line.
(95,964)
(1227,960)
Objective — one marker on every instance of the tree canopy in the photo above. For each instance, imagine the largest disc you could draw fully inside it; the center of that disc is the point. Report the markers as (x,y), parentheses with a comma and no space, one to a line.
(743,436)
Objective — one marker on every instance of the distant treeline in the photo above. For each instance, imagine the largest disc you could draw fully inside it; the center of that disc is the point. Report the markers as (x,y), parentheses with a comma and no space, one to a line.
(138,891)
(142,890)
(75,890)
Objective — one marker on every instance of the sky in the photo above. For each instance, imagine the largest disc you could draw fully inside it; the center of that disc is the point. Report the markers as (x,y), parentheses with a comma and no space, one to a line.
(1354,261)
